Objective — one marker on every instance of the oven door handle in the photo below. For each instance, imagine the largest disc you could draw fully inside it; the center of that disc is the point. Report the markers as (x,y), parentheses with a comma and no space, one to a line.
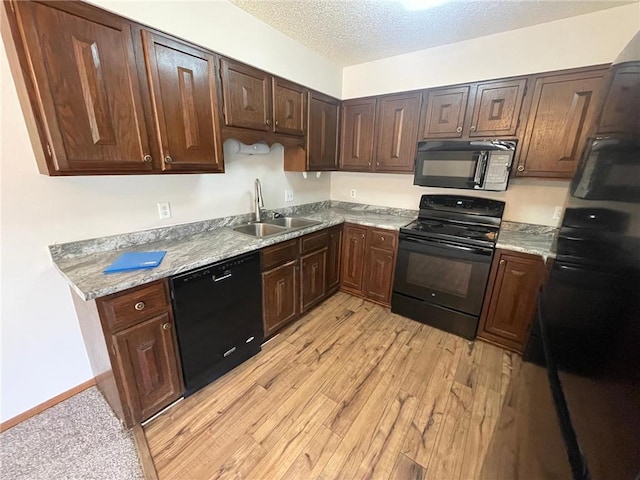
(436,243)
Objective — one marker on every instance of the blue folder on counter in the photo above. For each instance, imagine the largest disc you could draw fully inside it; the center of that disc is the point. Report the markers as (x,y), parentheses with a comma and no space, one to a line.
(135,261)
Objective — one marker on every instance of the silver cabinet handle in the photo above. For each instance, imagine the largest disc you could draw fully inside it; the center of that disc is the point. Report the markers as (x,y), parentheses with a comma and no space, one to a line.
(521,168)
(459,129)
(268,122)
(502,262)
(473,128)
(168,159)
(277,123)
(139,306)
(166,326)
(147,158)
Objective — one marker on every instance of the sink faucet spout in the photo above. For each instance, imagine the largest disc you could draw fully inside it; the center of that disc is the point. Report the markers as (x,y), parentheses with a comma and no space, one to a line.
(258,199)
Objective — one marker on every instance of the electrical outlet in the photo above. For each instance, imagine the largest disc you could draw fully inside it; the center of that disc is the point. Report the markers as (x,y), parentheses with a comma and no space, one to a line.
(288,195)
(352,193)
(557,213)
(164,210)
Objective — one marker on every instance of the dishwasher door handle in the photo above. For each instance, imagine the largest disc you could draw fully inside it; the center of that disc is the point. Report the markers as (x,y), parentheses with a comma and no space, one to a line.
(227,274)
(229,352)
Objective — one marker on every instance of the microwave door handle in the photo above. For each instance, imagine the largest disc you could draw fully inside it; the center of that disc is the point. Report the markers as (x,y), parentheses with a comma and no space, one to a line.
(480,167)
(484,160)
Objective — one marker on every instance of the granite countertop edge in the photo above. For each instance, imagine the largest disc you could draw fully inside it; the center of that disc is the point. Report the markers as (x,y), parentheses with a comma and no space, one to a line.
(191,246)
(84,274)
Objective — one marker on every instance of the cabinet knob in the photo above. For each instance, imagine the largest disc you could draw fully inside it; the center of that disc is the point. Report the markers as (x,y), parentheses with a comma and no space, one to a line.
(381,238)
(502,262)
(459,129)
(277,123)
(473,128)
(166,326)
(147,158)
(362,235)
(139,306)
(168,159)
(267,121)
(521,168)
(369,164)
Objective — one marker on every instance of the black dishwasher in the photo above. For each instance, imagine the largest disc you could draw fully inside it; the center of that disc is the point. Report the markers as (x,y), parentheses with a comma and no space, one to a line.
(218,318)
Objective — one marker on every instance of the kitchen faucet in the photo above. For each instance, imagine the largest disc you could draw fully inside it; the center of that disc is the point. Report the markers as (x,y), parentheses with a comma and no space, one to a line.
(258,199)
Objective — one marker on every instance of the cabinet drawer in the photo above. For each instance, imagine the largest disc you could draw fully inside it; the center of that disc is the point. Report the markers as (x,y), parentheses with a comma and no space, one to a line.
(279,254)
(124,309)
(383,239)
(315,241)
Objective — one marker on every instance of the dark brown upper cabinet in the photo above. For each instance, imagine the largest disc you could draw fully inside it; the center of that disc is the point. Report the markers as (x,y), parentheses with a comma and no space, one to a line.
(321,149)
(496,108)
(185,107)
(289,107)
(486,109)
(621,114)
(397,132)
(246,96)
(444,112)
(562,108)
(358,117)
(380,134)
(79,70)
(323,132)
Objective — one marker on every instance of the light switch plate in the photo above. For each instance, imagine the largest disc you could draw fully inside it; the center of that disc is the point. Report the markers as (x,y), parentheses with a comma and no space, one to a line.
(288,195)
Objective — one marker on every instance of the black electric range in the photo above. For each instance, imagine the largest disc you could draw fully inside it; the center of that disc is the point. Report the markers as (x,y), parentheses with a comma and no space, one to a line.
(443,262)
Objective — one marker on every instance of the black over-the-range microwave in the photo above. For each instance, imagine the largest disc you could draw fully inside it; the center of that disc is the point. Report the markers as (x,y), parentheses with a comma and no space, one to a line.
(476,165)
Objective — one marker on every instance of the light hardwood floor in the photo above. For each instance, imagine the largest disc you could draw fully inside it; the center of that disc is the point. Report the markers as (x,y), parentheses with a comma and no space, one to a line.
(349,391)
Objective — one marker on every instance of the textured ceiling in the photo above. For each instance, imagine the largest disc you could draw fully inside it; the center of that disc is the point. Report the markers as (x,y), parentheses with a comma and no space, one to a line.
(355,31)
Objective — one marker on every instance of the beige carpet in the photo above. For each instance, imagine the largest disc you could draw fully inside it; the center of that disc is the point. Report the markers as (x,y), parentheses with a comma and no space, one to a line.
(79,438)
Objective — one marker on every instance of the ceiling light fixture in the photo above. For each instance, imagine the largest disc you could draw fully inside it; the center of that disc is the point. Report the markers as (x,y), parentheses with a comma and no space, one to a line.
(413,5)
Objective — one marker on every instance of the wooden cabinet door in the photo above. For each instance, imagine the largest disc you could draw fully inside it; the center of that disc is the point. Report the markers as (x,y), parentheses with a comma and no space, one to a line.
(563,107)
(147,363)
(289,107)
(313,278)
(512,294)
(334,258)
(444,111)
(246,96)
(621,114)
(88,92)
(185,106)
(356,151)
(353,251)
(496,108)
(280,296)
(378,274)
(397,132)
(322,133)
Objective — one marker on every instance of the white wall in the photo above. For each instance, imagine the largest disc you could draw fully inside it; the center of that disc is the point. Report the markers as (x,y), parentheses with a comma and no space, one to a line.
(529,201)
(43,352)
(573,42)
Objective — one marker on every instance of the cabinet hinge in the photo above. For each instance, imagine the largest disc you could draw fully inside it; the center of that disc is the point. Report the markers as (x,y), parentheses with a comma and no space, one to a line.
(13,8)
(49,152)
(113,350)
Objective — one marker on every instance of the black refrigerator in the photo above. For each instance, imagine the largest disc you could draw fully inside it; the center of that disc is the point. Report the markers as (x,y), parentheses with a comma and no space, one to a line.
(573,408)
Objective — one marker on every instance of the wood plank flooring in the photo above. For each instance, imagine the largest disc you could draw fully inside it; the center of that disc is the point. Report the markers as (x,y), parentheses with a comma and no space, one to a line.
(349,391)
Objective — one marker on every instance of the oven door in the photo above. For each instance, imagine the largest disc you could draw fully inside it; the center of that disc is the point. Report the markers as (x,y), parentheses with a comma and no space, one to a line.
(447,274)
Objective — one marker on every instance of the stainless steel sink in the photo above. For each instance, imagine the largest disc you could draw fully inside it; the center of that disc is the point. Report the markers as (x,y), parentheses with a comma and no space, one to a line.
(260,230)
(292,222)
(275,226)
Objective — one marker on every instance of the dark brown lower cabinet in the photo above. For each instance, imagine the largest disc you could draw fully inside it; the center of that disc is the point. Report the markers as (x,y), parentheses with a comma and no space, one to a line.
(280,296)
(334,258)
(146,357)
(510,301)
(312,272)
(368,262)
(132,349)
(297,275)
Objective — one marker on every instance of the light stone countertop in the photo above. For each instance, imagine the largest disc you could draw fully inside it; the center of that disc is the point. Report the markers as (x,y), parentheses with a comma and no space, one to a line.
(195,245)
(527,238)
